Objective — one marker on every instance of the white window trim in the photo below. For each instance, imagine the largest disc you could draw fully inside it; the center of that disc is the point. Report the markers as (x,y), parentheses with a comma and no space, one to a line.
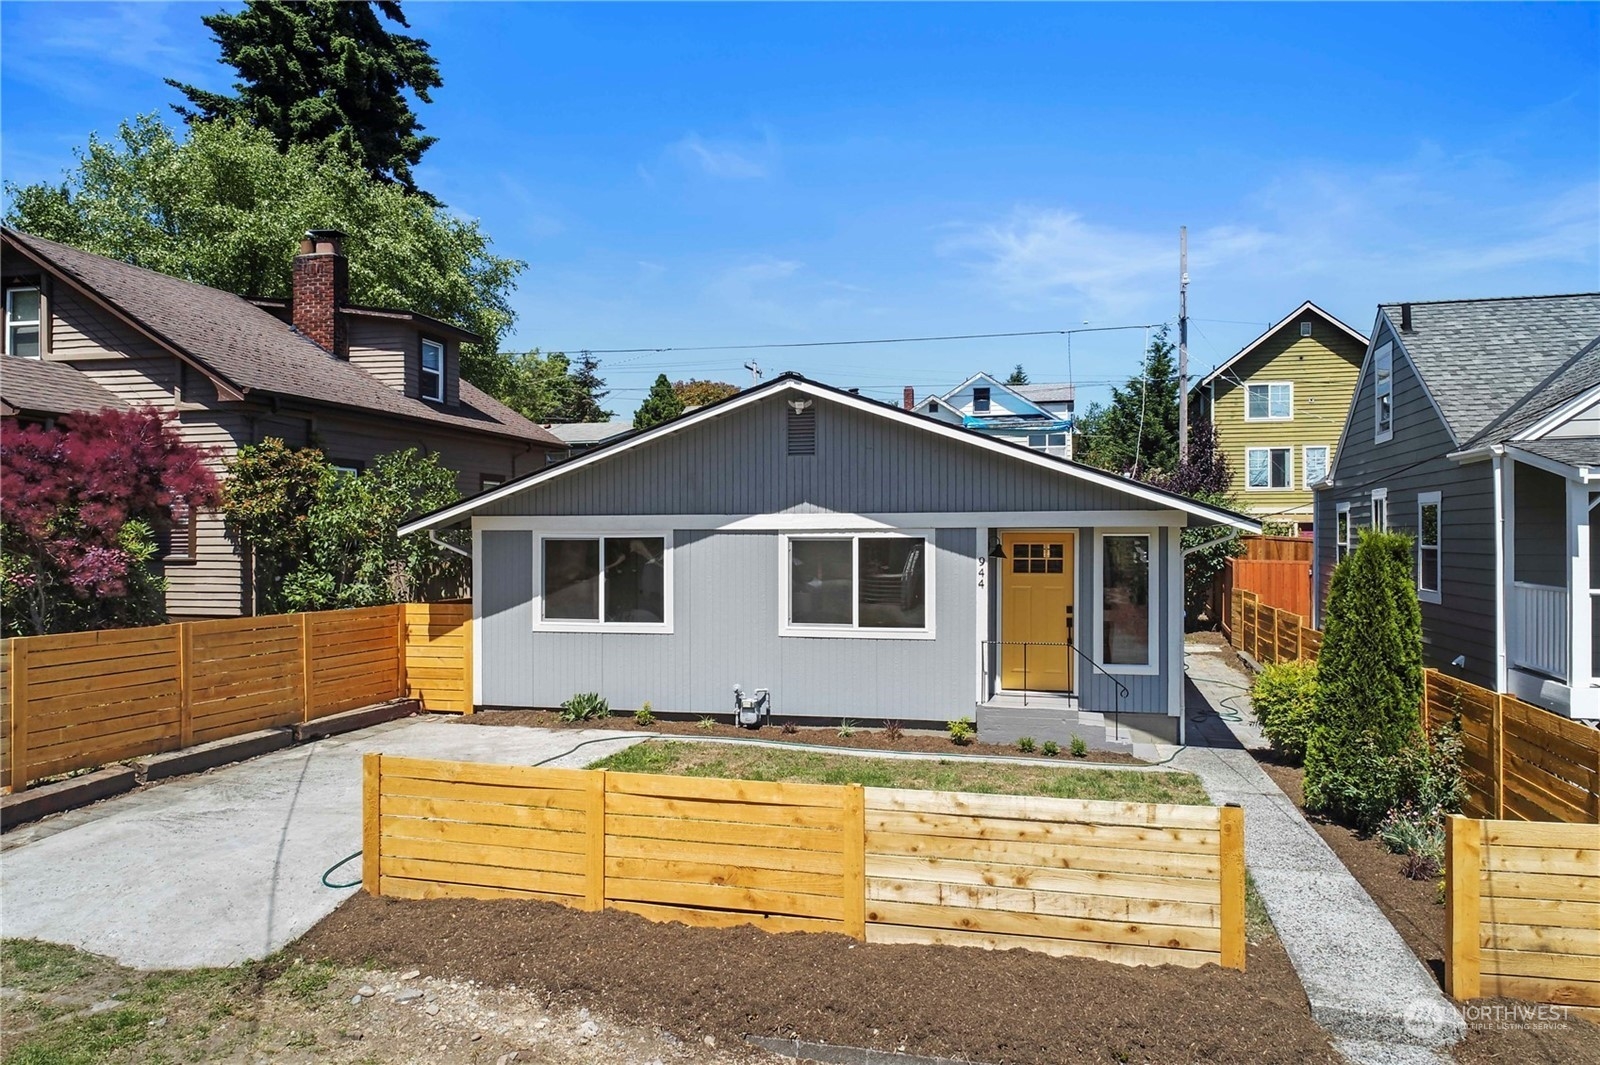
(1305,466)
(541,624)
(1269,386)
(1436,595)
(422,368)
(853,631)
(1345,546)
(1287,486)
(37,323)
(1156,604)
(1378,495)
(1381,435)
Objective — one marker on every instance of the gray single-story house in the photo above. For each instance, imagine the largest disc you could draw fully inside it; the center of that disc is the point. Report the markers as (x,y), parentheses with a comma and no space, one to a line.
(856,559)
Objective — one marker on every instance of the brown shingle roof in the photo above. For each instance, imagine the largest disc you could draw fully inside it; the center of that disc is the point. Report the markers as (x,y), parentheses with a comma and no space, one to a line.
(253,351)
(49,388)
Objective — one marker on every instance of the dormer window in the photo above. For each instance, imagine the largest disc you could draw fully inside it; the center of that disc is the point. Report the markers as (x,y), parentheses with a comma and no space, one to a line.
(22,322)
(980,400)
(432,376)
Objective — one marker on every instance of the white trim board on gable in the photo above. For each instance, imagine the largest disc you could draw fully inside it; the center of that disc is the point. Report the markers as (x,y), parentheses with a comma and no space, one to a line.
(794,382)
(1272,331)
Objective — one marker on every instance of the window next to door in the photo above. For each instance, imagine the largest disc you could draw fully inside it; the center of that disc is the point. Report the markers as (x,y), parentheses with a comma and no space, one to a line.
(1125,589)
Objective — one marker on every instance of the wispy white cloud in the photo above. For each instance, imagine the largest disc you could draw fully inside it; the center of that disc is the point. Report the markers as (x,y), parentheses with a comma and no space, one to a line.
(728,159)
(67,44)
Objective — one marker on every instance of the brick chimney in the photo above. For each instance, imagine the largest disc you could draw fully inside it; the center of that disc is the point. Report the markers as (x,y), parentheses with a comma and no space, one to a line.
(908,399)
(321,287)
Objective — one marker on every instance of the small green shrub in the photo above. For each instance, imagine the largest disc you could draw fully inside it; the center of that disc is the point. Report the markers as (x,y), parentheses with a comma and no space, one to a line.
(847,728)
(1026,745)
(1411,832)
(789,728)
(1050,748)
(1080,749)
(706,724)
(585,706)
(1284,700)
(961,731)
(643,717)
(893,730)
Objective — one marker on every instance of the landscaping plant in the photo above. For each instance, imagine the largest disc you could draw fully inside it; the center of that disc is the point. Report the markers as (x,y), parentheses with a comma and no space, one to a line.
(789,728)
(585,706)
(892,731)
(706,724)
(1080,749)
(1026,745)
(1284,700)
(643,717)
(1050,748)
(1369,683)
(961,731)
(847,728)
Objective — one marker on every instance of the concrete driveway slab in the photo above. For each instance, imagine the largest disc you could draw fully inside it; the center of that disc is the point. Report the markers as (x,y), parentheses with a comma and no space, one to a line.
(225,867)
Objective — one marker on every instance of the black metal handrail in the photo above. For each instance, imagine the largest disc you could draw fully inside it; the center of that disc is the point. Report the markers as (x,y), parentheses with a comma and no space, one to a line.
(1116,703)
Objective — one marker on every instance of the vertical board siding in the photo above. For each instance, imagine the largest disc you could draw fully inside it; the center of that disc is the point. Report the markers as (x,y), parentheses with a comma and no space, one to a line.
(1285,585)
(1415,460)
(438,644)
(1523,907)
(1135,883)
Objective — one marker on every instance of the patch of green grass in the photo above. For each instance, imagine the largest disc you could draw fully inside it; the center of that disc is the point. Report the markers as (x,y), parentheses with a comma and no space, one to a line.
(306,981)
(1257,922)
(31,965)
(749,762)
(83,1040)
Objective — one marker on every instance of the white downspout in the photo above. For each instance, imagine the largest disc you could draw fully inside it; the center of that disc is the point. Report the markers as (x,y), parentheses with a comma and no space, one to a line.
(434,536)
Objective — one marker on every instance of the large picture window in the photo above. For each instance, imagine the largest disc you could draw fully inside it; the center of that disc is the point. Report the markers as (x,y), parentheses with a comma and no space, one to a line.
(1428,547)
(607,581)
(875,585)
(1127,632)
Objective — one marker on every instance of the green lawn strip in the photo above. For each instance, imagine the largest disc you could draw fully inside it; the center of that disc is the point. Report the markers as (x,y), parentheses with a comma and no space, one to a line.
(751,762)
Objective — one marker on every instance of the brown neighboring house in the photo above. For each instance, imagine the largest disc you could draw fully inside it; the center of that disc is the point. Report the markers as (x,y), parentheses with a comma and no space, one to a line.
(86,332)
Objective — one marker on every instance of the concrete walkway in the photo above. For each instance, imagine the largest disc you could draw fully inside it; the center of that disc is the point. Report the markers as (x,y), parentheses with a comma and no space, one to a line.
(227,866)
(1366,987)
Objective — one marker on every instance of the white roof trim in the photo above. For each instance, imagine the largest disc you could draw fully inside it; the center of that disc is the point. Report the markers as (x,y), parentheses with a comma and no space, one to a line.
(1579,470)
(971,438)
(1271,330)
(1561,415)
(996,382)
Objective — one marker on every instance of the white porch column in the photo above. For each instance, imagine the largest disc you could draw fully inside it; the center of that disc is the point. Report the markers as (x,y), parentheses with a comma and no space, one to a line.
(1504,560)
(1580,672)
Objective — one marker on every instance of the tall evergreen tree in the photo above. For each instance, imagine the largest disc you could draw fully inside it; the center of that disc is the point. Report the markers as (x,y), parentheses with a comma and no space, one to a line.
(588,388)
(661,405)
(1137,432)
(1019,376)
(320,71)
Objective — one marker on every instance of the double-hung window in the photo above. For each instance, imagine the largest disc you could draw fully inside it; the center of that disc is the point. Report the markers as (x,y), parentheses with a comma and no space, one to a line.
(1315,461)
(868,584)
(1269,467)
(1125,590)
(1380,509)
(617,582)
(22,322)
(1383,393)
(1272,401)
(1344,533)
(1429,555)
(431,377)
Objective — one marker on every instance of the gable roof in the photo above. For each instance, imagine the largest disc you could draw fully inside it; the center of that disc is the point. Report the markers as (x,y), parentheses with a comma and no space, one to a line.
(995,383)
(1483,359)
(1578,452)
(1572,381)
(244,348)
(39,387)
(1293,316)
(588,432)
(1045,393)
(793,381)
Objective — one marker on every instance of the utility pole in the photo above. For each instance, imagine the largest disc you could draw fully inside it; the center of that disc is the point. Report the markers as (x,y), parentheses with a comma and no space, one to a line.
(1183,344)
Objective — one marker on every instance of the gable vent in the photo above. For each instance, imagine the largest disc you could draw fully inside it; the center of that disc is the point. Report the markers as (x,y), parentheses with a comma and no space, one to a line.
(802,422)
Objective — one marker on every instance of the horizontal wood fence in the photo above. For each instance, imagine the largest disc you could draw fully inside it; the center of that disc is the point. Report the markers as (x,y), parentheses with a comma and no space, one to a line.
(1135,883)
(79,700)
(1269,634)
(1522,908)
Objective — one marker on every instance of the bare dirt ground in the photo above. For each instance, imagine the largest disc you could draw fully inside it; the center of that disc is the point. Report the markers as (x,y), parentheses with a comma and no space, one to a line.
(1015,1007)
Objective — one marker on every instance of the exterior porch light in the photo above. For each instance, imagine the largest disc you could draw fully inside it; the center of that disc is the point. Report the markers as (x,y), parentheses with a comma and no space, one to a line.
(995,550)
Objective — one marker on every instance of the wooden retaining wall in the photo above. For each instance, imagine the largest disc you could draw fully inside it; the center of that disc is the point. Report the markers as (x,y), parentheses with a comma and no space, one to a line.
(1135,883)
(79,700)
(1523,912)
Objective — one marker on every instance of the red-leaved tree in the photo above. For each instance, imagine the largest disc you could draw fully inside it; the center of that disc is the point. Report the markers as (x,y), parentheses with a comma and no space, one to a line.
(82,503)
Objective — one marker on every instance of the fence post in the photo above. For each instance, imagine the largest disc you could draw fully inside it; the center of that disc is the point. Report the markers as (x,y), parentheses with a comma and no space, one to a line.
(855,862)
(305,666)
(19,714)
(402,644)
(594,897)
(372,824)
(185,686)
(1463,860)
(1230,838)
(468,669)
(1497,756)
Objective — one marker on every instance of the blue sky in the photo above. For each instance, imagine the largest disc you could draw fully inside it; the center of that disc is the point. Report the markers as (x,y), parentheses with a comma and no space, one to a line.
(687,175)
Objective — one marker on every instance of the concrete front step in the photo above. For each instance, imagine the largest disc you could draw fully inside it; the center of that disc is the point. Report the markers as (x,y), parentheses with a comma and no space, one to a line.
(1005,720)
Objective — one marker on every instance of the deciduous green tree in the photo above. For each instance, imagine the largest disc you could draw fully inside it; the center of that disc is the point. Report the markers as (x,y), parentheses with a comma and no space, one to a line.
(227,209)
(661,405)
(695,393)
(323,72)
(549,388)
(266,504)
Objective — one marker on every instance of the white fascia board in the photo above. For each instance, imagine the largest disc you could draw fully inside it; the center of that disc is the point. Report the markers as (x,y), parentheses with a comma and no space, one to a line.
(1560,469)
(1272,331)
(1125,485)
(1561,415)
(995,383)
(820,522)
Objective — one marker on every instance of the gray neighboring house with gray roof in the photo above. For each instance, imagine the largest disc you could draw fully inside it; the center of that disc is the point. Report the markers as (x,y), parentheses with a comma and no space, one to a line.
(854,558)
(1476,429)
(84,332)
(582,436)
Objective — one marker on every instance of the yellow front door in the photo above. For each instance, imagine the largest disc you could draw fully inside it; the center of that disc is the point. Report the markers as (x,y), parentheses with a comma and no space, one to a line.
(1035,605)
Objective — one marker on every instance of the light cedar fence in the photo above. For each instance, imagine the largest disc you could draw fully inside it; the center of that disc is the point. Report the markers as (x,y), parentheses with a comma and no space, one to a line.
(1140,884)
(1523,912)
(79,700)
(1269,634)
(1283,584)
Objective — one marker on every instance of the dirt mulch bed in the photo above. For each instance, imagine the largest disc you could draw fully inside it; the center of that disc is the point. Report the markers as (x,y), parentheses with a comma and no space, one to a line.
(987,1006)
(1415,910)
(863,739)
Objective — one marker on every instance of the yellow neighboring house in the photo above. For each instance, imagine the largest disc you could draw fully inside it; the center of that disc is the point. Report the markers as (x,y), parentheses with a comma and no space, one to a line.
(1279,405)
